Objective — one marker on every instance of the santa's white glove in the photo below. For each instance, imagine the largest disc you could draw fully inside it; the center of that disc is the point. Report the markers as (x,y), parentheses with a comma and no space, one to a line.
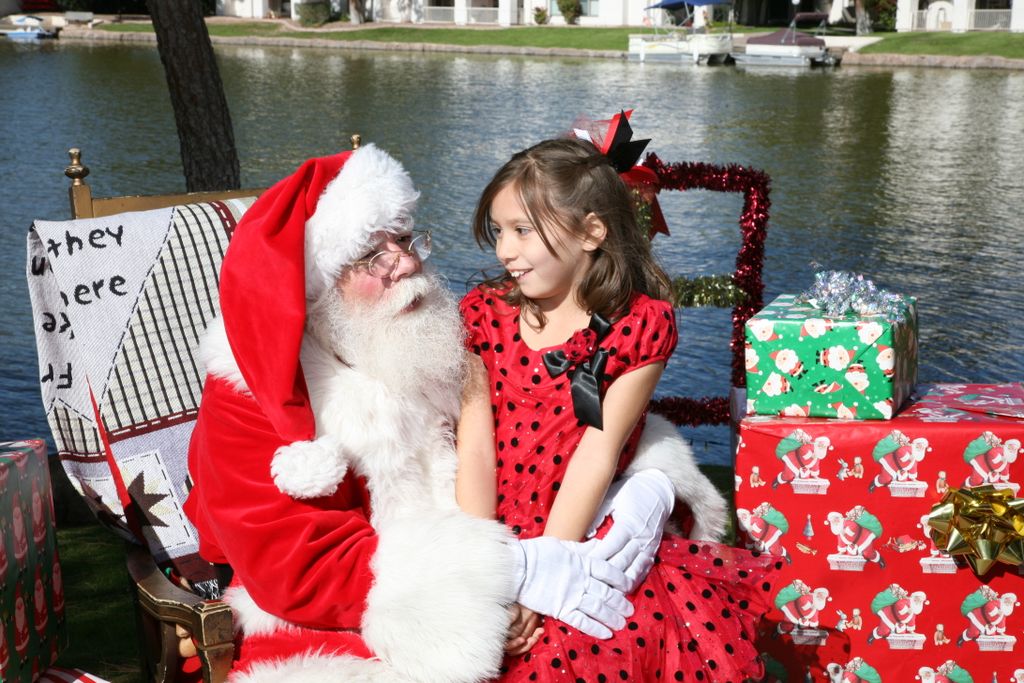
(639,506)
(560,579)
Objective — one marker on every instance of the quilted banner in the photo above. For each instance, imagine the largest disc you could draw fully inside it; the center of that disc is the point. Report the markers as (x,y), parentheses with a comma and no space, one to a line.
(118,304)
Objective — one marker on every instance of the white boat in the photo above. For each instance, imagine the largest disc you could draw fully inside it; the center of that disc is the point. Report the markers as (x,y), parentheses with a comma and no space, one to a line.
(679,44)
(26,28)
(29,34)
(787,47)
(699,48)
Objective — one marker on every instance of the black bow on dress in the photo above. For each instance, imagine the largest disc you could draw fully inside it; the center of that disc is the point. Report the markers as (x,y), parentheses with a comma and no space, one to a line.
(585,374)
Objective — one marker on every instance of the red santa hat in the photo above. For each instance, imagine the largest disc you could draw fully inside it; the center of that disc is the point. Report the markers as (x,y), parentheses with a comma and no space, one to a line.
(290,247)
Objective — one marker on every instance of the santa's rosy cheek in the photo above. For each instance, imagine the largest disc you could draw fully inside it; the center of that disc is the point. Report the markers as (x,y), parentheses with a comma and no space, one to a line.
(360,286)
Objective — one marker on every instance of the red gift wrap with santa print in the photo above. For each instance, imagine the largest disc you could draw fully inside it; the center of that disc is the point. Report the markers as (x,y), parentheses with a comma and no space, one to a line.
(864,594)
(32,628)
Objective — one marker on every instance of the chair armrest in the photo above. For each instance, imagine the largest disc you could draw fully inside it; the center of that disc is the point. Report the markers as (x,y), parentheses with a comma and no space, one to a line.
(209,621)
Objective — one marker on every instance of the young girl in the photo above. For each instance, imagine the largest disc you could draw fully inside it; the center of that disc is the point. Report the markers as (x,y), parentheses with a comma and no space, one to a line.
(567,349)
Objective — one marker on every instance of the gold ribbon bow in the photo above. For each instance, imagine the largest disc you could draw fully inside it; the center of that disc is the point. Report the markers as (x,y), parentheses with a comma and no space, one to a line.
(983,524)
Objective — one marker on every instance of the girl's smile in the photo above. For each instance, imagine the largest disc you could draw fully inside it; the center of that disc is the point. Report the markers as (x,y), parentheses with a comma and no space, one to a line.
(548,276)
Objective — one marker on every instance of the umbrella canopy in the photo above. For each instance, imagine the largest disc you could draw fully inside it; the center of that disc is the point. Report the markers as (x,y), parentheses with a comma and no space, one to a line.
(680,4)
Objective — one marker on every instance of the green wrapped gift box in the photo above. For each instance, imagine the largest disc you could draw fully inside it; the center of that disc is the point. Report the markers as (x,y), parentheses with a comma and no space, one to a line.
(32,628)
(802,363)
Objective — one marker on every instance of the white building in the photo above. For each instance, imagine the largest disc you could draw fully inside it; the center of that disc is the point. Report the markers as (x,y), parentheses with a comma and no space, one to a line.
(911,15)
(960,15)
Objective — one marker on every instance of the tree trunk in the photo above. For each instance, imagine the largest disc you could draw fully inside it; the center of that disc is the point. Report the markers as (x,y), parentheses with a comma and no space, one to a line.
(357,11)
(207,141)
(863,18)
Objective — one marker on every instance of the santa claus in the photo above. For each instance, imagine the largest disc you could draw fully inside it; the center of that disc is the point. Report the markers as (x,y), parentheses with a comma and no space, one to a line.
(58,590)
(5,655)
(21,627)
(897,456)
(855,671)
(801,606)
(38,515)
(42,611)
(990,459)
(856,533)
(800,456)
(986,612)
(948,672)
(20,535)
(323,458)
(765,527)
(897,611)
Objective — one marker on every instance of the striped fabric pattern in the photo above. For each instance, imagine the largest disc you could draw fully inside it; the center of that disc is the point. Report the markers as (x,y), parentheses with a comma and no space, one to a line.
(129,356)
(57,674)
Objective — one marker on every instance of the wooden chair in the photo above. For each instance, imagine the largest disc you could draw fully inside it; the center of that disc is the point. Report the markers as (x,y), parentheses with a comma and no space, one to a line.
(175,619)
(174,622)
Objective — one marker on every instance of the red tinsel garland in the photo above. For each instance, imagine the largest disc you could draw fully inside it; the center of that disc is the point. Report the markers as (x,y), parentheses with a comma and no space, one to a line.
(710,410)
(755,186)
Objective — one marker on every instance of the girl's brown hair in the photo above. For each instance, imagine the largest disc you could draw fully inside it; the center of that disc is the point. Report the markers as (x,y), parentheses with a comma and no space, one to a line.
(560,182)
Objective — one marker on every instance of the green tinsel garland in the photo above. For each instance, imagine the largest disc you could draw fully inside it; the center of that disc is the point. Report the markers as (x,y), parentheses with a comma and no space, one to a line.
(642,210)
(707,290)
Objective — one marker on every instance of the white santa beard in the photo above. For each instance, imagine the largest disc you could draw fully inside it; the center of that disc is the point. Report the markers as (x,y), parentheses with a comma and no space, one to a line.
(407,351)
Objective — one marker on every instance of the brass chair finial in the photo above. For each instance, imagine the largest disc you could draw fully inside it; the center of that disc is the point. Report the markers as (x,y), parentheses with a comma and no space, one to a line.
(357,140)
(76,171)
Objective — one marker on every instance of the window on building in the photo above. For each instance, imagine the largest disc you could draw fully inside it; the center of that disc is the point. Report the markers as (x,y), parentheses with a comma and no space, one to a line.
(590,8)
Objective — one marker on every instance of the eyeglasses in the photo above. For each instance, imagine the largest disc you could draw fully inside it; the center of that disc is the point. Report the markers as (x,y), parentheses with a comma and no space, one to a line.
(382,264)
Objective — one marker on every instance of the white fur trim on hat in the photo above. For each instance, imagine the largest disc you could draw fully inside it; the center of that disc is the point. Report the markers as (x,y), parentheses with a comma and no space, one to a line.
(662,448)
(372,192)
(436,611)
(309,469)
(216,356)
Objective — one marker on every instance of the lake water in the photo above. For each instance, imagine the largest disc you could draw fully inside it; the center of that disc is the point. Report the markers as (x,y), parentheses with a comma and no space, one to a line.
(914,177)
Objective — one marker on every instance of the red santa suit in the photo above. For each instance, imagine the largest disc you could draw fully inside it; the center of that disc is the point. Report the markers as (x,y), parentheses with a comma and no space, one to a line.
(798,462)
(5,654)
(802,611)
(898,617)
(855,539)
(20,535)
(21,628)
(368,578)
(4,564)
(987,458)
(58,589)
(985,615)
(331,495)
(39,602)
(896,458)
(38,516)
(800,605)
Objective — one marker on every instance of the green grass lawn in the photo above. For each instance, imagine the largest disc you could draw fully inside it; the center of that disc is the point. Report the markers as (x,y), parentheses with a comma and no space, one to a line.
(98,607)
(1001,44)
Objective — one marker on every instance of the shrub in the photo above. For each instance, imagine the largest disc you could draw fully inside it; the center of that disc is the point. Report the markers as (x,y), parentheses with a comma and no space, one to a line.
(540,16)
(883,13)
(314,13)
(570,9)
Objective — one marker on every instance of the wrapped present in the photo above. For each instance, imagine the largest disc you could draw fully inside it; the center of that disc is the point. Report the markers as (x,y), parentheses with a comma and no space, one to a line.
(863,585)
(802,362)
(32,628)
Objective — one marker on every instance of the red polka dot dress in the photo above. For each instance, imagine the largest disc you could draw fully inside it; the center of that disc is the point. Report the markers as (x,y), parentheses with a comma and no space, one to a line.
(695,613)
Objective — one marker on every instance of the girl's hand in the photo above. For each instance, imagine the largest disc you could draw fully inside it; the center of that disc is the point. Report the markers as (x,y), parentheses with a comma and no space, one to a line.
(524,632)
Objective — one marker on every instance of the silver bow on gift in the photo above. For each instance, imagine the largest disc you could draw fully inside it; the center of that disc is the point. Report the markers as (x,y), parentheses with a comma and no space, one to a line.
(839,292)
